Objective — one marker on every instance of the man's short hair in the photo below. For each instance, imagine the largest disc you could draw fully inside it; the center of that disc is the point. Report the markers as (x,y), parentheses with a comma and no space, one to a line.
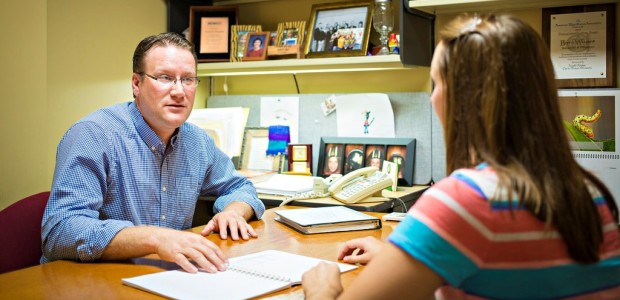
(162,39)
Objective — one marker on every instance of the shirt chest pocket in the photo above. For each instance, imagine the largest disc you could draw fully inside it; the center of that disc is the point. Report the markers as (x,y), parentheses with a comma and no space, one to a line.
(187,189)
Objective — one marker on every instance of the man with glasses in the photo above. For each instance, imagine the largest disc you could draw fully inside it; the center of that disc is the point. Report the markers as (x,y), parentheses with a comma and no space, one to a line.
(128,176)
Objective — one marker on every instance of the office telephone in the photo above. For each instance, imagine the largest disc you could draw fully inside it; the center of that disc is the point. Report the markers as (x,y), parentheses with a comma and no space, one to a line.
(359,184)
(349,188)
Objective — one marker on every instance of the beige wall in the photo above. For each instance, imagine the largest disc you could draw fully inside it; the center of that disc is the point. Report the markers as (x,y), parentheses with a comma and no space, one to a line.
(61,60)
(23,97)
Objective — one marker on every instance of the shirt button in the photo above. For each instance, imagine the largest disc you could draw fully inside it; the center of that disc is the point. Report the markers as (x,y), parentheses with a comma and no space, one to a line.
(153,148)
(163,189)
(163,217)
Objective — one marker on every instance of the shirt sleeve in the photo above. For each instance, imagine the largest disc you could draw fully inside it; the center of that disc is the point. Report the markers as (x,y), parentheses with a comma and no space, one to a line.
(71,226)
(228,185)
(427,233)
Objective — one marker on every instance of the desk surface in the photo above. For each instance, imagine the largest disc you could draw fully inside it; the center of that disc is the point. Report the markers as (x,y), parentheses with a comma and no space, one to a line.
(72,280)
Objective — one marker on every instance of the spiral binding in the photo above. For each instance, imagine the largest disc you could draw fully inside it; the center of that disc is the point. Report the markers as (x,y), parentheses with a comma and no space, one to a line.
(258,273)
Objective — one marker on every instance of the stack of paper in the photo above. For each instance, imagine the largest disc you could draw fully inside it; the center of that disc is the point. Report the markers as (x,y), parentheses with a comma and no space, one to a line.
(327,219)
(285,185)
(224,125)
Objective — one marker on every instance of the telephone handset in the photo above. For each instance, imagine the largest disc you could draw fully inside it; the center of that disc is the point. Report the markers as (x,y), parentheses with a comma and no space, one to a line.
(349,188)
(359,184)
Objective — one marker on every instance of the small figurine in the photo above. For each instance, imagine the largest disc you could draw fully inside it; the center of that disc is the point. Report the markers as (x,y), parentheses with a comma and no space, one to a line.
(393,43)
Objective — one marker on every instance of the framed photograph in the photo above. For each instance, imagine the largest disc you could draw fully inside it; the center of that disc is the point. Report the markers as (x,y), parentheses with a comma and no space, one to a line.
(347,154)
(397,154)
(254,151)
(338,29)
(239,38)
(256,48)
(581,41)
(375,154)
(210,31)
(299,158)
(290,33)
(331,159)
(354,157)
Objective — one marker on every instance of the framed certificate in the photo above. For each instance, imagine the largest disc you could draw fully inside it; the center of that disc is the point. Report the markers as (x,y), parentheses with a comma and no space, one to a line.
(210,31)
(581,42)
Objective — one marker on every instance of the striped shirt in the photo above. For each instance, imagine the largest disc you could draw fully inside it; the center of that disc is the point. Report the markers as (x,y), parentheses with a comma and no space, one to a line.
(113,171)
(485,250)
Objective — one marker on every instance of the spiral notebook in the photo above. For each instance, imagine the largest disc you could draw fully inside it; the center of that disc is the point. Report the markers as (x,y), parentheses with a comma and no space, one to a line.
(248,276)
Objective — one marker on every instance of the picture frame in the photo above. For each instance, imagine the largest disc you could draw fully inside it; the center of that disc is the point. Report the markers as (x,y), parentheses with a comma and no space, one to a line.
(356,152)
(256,48)
(299,158)
(210,31)
(239,35)
(255,141)
(338,29)
(290,33)
(581,41)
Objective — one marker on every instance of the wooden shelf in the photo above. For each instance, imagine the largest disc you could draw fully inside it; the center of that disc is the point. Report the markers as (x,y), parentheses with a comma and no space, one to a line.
(458,6)
(298,66)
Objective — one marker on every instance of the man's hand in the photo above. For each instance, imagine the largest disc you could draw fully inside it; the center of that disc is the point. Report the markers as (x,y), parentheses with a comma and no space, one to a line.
(322,282)
(232,218)
(368,248)
(181,246)
(171,245)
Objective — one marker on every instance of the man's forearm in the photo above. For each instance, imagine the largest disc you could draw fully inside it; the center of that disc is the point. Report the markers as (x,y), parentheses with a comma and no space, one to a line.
(133,242)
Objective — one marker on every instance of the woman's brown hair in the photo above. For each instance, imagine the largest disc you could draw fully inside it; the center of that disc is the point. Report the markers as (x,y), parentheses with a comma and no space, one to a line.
(502,108)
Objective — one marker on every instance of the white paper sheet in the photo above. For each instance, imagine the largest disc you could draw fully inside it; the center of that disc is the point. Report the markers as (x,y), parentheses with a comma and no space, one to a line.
(224,125)
(281,111)
(365,115)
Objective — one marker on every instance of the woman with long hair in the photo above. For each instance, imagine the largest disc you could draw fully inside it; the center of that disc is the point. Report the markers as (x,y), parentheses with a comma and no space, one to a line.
(517,218)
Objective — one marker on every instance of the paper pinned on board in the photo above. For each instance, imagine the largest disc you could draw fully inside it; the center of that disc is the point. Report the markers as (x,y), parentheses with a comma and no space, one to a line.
(365,115)
(224,125)
(281,111)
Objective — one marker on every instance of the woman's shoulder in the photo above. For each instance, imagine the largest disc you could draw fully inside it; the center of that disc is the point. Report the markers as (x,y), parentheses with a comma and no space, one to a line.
(481,179)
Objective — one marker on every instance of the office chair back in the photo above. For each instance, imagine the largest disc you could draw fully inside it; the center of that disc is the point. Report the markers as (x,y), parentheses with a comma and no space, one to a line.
(20,233)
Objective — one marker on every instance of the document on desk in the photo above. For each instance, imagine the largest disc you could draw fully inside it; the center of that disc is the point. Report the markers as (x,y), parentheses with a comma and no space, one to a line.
(285,185)
(247,277)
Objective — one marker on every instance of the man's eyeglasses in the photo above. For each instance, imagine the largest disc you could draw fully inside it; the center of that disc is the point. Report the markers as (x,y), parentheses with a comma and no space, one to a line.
(169,81)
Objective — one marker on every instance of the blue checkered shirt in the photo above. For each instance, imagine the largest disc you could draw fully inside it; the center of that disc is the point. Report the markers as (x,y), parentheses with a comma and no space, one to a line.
(113,171)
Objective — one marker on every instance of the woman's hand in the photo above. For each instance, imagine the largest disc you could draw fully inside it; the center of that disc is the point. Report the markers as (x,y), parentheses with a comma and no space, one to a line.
(367,247)
(322,282)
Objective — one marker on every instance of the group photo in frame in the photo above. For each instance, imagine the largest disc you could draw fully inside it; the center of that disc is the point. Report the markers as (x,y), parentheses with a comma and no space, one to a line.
(338,29)
(210,31)
(342,155)
(256,46)
(239,37)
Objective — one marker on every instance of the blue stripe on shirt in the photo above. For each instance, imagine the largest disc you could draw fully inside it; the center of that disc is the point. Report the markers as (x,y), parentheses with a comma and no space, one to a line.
(428,247)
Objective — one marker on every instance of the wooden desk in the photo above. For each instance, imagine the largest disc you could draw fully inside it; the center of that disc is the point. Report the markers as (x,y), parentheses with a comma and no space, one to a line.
(102,280)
